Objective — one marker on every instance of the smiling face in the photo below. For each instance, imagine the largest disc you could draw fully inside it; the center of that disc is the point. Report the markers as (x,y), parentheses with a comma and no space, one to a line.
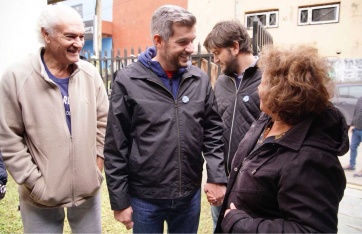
(175,53)
(66,41)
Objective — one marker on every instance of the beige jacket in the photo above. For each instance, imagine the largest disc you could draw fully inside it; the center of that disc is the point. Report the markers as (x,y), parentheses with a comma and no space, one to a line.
(52,167)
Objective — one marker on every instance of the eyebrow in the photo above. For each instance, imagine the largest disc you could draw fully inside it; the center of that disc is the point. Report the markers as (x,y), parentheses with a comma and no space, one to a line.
(185,39)
(73,34)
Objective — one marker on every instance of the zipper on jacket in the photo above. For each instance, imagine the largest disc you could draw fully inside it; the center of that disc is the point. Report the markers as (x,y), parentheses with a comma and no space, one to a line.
(68,132)
(71,157)
(232,129)
(178,133)
(171,84)
(179,147)
(177,123)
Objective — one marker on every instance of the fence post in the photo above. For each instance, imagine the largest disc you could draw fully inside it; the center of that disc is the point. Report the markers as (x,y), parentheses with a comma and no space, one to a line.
(132,55)
(255,35)
(125,57)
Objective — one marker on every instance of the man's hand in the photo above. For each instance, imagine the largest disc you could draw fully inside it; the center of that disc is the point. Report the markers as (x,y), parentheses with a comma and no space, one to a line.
(100,163)
(215,193)
(232,207)
(124,216)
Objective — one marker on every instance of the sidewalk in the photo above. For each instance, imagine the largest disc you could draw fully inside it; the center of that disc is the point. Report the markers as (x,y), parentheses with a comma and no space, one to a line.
(350,208)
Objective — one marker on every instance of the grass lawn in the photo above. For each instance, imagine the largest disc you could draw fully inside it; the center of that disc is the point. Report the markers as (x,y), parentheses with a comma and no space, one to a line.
(10,220)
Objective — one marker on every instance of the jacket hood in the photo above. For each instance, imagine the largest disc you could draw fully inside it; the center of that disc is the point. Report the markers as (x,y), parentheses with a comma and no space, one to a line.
(327,131)
(146,59)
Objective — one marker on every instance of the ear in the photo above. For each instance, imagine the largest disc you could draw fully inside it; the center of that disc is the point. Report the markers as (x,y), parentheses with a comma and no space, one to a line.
(157,40)
(45,35)
(235,48)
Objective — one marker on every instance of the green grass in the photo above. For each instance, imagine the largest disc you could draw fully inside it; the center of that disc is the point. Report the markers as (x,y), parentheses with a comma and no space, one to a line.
(10,220)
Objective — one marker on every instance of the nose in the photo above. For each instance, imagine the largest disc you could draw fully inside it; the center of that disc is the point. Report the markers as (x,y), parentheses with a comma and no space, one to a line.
(190,48)
(78,42)
(216,59)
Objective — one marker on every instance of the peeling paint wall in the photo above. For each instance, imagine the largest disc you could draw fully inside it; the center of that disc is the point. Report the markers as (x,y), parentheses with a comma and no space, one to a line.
(346,70)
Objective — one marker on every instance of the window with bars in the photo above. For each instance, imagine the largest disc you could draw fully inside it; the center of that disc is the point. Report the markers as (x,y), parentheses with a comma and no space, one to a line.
(318,14)
(269,19)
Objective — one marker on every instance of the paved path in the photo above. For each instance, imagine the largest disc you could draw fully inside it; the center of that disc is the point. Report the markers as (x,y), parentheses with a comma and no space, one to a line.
(350,209)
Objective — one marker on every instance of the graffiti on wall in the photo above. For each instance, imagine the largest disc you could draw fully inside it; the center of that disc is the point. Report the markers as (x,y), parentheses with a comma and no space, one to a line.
(346,70)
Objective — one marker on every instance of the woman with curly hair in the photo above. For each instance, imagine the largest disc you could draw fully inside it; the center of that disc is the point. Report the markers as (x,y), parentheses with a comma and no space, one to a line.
(286,176)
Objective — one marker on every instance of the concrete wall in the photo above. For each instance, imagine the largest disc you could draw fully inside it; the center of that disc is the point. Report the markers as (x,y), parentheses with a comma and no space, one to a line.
(18,35)
(209,12)
(343,36)
(346,70)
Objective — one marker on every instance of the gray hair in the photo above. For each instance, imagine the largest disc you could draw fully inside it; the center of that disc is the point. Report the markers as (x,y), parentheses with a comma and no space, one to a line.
(52,16)
(165,16)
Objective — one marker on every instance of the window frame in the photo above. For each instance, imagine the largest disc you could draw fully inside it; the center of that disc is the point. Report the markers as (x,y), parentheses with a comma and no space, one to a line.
(310,13)
(267,15)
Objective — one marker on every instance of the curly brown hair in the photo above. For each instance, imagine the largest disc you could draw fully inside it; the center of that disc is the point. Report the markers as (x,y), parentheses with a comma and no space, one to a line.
(297,81)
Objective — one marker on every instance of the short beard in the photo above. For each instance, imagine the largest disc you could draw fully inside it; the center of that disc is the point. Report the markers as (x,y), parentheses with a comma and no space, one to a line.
(174,59)
(231,66)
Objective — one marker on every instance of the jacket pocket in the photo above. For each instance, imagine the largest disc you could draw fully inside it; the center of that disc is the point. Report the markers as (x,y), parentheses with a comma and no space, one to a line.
(38,190)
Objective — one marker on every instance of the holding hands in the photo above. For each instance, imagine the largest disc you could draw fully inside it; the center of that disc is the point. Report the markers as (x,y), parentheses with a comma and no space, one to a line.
(215,193)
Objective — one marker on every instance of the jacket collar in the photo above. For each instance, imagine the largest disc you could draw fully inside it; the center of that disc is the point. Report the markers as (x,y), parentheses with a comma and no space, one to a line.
(294,138)
(39,66)
(143,72)
(327,130)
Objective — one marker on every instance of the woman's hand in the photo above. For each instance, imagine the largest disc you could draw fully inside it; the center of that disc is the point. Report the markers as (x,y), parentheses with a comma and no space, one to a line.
(232,207)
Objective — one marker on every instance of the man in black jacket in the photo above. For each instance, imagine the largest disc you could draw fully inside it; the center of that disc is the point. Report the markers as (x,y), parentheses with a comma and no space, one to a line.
(236,89)
(162,123)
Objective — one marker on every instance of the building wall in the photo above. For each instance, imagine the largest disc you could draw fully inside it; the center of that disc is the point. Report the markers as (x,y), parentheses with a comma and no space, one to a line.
(89,8)
(344,36)
(87,12)
(106,47)
(209,12)
(131,22)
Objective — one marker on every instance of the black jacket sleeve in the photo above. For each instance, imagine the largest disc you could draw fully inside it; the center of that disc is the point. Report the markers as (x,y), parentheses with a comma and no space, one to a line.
(116,148)
(212,142)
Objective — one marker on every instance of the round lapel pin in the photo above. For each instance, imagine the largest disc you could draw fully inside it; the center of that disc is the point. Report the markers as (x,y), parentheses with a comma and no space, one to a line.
(246,98)
(185,99)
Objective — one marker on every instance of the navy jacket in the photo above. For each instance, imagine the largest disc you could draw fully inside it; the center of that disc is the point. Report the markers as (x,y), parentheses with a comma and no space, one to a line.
(3,173)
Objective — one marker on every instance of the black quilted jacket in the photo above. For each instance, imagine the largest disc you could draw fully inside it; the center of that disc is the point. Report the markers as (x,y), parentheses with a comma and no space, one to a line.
(238,108)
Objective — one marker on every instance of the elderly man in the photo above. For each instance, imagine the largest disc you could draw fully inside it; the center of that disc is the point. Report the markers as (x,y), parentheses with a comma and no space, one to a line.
(53,110)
